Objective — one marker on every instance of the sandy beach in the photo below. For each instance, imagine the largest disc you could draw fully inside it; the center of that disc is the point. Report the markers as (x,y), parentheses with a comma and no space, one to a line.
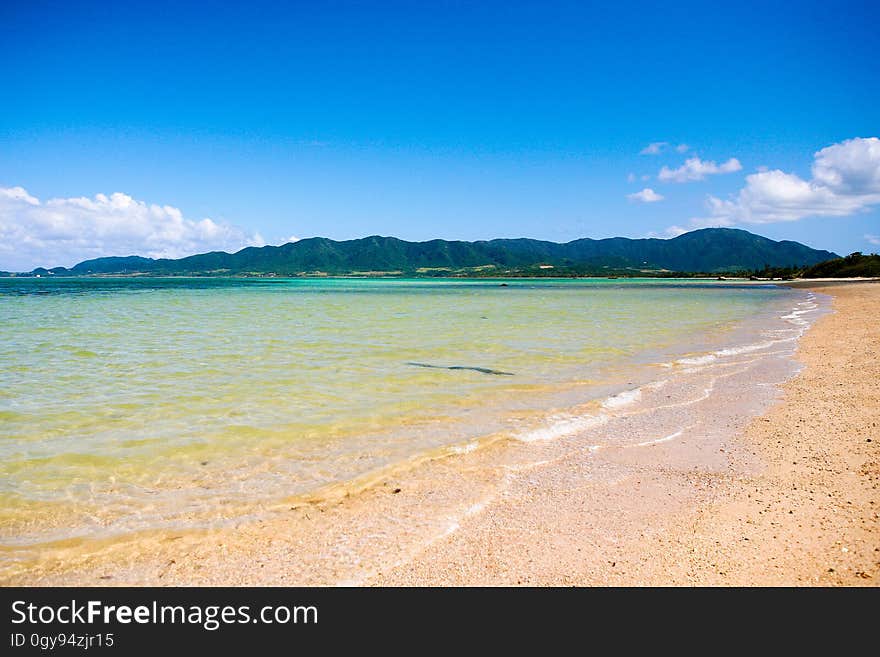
(783,493)
(808,516)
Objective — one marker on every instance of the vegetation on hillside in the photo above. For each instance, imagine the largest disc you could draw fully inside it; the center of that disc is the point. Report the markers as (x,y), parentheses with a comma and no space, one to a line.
(854,265)
(713,251)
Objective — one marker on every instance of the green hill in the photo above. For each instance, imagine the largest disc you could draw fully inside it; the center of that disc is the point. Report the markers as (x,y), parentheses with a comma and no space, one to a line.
(853,265)
(708,250)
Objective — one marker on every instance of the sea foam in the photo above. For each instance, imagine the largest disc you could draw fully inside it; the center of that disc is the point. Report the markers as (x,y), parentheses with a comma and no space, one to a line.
(563,426)
(622,399)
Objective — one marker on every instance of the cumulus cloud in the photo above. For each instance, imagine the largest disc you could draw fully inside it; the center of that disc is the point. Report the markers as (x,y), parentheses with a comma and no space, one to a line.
(845,180)
(64,231)
(654,148)
(647,195)
(696,169)
(682,148)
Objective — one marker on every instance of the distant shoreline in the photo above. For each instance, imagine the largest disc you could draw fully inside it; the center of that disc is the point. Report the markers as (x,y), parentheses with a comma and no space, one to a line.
(826,282)
(790,282)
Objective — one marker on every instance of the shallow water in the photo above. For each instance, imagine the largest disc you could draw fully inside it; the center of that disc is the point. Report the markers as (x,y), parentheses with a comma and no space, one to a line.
(131,404)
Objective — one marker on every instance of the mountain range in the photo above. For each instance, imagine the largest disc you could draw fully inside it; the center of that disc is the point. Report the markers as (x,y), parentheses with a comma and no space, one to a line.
(709,250)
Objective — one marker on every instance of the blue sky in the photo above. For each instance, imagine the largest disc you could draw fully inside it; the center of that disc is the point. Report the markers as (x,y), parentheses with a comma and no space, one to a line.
(458,120)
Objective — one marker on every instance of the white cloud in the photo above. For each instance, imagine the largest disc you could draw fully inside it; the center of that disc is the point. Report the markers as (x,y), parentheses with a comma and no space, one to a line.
(292,238)
(846,179)
(850,168)
(65,231)
(694,224)
(872,239)
(696,169)
(654,148)
(631,178)
(657,147)
(672,231)
(647,195)
(14,194)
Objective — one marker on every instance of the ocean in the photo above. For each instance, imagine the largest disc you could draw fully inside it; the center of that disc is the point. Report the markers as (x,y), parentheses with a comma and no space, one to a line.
(132,404)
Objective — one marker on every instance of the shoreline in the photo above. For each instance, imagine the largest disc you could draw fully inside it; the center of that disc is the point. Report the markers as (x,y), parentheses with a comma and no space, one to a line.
(787,282)
(797,505)
(534,513)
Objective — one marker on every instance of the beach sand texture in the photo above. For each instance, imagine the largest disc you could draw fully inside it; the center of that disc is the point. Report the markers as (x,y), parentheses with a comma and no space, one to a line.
(788,498)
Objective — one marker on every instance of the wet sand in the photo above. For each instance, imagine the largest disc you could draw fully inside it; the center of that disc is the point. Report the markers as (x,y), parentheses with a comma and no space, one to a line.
(700,489)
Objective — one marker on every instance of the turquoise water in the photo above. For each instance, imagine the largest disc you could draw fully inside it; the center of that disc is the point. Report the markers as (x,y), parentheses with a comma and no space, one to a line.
(135,403)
